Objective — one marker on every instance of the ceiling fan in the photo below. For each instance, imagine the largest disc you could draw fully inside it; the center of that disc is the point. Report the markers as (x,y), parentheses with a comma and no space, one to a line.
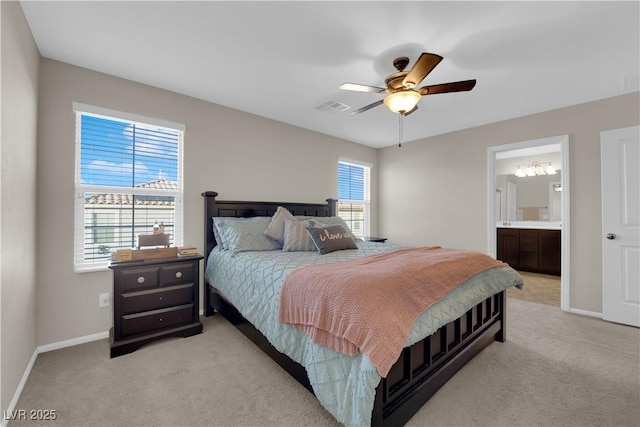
(402,96)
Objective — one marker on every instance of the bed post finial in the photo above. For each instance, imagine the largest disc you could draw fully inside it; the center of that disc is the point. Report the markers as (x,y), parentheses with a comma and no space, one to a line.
(332,206)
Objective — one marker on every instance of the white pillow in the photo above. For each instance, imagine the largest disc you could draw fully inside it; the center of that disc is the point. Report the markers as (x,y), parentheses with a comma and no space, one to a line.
(246,234)
(275,230)
(216,232)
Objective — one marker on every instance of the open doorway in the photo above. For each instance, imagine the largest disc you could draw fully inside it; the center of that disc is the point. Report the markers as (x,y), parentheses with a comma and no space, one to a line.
(529,226)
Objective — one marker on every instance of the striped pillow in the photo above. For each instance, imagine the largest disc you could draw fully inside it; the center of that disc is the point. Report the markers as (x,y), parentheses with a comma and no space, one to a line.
(296,238)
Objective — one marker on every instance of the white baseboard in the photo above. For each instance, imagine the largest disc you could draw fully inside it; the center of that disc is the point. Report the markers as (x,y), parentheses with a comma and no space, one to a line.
(43,349)
(74,341)
(585,312)
(16,395)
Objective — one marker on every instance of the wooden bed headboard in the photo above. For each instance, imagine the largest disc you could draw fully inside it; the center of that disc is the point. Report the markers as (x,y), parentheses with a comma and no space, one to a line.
(246,209)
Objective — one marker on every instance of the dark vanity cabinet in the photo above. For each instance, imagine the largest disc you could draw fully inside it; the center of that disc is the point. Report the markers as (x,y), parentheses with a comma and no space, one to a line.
(532,250)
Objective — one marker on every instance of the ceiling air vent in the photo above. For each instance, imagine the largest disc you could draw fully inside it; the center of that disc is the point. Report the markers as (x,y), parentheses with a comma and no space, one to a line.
(332,106)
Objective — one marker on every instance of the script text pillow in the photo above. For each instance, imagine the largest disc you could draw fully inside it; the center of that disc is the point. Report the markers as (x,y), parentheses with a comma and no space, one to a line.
(333,220)
(331,238)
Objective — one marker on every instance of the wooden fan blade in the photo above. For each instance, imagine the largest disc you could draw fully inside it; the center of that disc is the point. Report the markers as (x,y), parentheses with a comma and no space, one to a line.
(367,107)
(362,88)
(461,86)
(423,66)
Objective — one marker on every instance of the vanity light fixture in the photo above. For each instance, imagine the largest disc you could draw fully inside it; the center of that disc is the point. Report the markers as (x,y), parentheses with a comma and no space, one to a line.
(535,168)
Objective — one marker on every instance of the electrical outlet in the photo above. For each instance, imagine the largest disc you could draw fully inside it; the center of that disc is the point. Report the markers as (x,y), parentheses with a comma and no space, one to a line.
(105,299)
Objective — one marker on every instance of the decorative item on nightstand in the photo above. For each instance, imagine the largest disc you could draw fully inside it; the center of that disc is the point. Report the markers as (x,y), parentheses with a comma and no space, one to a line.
(154,298)
(187,251)
(155,239)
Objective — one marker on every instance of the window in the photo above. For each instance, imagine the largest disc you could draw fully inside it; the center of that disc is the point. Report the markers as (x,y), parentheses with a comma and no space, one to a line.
(103,230)
(128,178)
(353,196)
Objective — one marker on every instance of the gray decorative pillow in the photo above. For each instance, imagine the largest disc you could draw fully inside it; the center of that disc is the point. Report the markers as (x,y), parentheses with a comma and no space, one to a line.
(331,238)
(333,220)
(296,238)
(275,230)
(246,234)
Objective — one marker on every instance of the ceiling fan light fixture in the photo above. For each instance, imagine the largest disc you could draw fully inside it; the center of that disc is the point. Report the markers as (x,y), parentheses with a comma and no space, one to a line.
(403,101)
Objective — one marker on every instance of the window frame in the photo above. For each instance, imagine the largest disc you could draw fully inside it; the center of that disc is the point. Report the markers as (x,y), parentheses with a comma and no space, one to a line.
(366,203)
(80,189)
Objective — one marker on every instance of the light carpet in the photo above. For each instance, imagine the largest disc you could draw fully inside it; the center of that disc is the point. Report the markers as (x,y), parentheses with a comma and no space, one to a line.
(556,369)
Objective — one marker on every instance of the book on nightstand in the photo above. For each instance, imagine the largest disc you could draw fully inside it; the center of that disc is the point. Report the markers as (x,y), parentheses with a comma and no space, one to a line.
(187,251)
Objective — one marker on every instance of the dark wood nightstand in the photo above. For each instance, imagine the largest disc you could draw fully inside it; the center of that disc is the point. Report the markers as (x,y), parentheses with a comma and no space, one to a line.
(154,299)
(374,239)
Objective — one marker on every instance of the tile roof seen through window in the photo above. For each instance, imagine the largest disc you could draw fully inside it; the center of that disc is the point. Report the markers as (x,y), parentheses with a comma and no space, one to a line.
(127,199)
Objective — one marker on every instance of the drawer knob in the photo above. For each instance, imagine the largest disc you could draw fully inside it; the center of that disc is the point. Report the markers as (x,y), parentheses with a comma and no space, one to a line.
(161,319)
(141,279)
(179,274)
(160,298)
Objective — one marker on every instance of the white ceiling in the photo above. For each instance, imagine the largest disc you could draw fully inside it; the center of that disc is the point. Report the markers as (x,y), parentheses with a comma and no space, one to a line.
(281,60)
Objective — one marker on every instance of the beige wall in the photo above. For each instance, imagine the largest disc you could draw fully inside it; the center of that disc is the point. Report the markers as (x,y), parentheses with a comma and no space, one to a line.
(239,155)
(19,89)
(433,191)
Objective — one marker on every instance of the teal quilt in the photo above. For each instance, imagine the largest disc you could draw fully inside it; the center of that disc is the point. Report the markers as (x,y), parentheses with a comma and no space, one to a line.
(344,385)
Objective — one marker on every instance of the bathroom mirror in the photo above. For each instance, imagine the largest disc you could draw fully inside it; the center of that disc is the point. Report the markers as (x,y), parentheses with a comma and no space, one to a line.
(528,187)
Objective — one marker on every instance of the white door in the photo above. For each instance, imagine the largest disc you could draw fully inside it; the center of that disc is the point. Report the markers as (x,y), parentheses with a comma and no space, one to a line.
(620,154)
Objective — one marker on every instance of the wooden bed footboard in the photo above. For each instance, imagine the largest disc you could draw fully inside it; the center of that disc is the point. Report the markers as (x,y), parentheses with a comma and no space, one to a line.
(420,370)
(428,364)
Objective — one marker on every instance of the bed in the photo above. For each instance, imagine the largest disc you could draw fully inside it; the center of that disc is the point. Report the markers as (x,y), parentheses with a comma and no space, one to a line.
(349,386)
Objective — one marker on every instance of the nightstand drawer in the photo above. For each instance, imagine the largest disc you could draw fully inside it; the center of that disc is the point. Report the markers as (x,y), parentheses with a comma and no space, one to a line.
(137,278)
(157,319)
(176,273)
(134,302)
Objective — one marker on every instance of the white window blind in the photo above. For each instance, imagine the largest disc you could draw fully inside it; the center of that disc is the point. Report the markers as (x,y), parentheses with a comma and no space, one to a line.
(354,196)
(128,178)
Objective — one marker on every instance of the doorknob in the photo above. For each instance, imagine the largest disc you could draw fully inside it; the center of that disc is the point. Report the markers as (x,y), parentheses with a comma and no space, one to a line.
(610,236)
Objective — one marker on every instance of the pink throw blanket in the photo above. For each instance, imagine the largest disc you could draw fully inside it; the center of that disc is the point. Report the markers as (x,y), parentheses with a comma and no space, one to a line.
(369,304)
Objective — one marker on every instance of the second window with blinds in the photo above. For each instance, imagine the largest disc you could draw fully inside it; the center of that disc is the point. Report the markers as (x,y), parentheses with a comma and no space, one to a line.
(354,196)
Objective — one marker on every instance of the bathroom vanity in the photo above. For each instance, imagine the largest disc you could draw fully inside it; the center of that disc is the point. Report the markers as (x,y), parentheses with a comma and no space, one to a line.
(533,246)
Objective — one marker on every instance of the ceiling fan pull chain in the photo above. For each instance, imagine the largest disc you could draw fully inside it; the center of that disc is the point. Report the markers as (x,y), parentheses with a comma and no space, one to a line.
(400,130)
